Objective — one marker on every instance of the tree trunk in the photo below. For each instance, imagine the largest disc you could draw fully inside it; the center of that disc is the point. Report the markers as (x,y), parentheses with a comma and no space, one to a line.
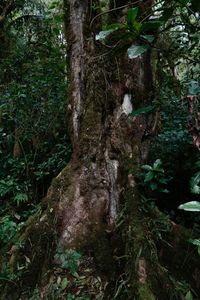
(107,142)
(98,190)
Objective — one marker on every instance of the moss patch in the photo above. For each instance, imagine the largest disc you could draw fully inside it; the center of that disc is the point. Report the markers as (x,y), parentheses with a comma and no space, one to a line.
(145,293)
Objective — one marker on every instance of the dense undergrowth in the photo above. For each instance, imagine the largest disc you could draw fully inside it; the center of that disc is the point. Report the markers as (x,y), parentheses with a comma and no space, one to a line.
(34,144)
(174,144)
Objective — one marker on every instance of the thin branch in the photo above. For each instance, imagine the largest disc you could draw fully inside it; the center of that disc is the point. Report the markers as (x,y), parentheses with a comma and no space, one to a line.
(113,9)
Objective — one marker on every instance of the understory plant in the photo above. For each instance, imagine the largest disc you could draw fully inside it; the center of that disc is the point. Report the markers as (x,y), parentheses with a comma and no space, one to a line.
(34,141)
(68,259)
(193,206)
(154,177)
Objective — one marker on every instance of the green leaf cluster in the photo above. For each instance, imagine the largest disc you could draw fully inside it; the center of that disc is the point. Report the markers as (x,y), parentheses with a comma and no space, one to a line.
(8,228)
(154,177)
(68,259)
(32,111)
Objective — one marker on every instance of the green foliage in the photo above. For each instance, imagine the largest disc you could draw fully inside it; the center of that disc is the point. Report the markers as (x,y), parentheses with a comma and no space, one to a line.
(6,186)
(69,259)
(8,229)
(132,30)
(194,184)
(32,106)
(196,242)
(189,296)
(131,19)
(190,206)
(142,110)
(193,88)
(194,181)
(135,51)
(20,198)
(159,226)
(193,206)
(11,187)
(6,274)
(103,34)
(142,31)
(173,139)
(154,177)
(35,295)
(73,297)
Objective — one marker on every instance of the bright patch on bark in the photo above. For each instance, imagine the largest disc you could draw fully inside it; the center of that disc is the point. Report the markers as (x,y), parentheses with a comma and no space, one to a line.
(112,169)
(127,106)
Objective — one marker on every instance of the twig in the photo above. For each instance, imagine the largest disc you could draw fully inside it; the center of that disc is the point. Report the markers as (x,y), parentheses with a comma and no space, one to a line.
(113,9)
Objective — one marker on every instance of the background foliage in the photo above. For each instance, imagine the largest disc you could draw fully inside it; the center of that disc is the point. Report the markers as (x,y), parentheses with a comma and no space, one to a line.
(34,145)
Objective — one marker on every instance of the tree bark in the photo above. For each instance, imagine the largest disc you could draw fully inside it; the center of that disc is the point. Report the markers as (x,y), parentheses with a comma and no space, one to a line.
(104,89)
